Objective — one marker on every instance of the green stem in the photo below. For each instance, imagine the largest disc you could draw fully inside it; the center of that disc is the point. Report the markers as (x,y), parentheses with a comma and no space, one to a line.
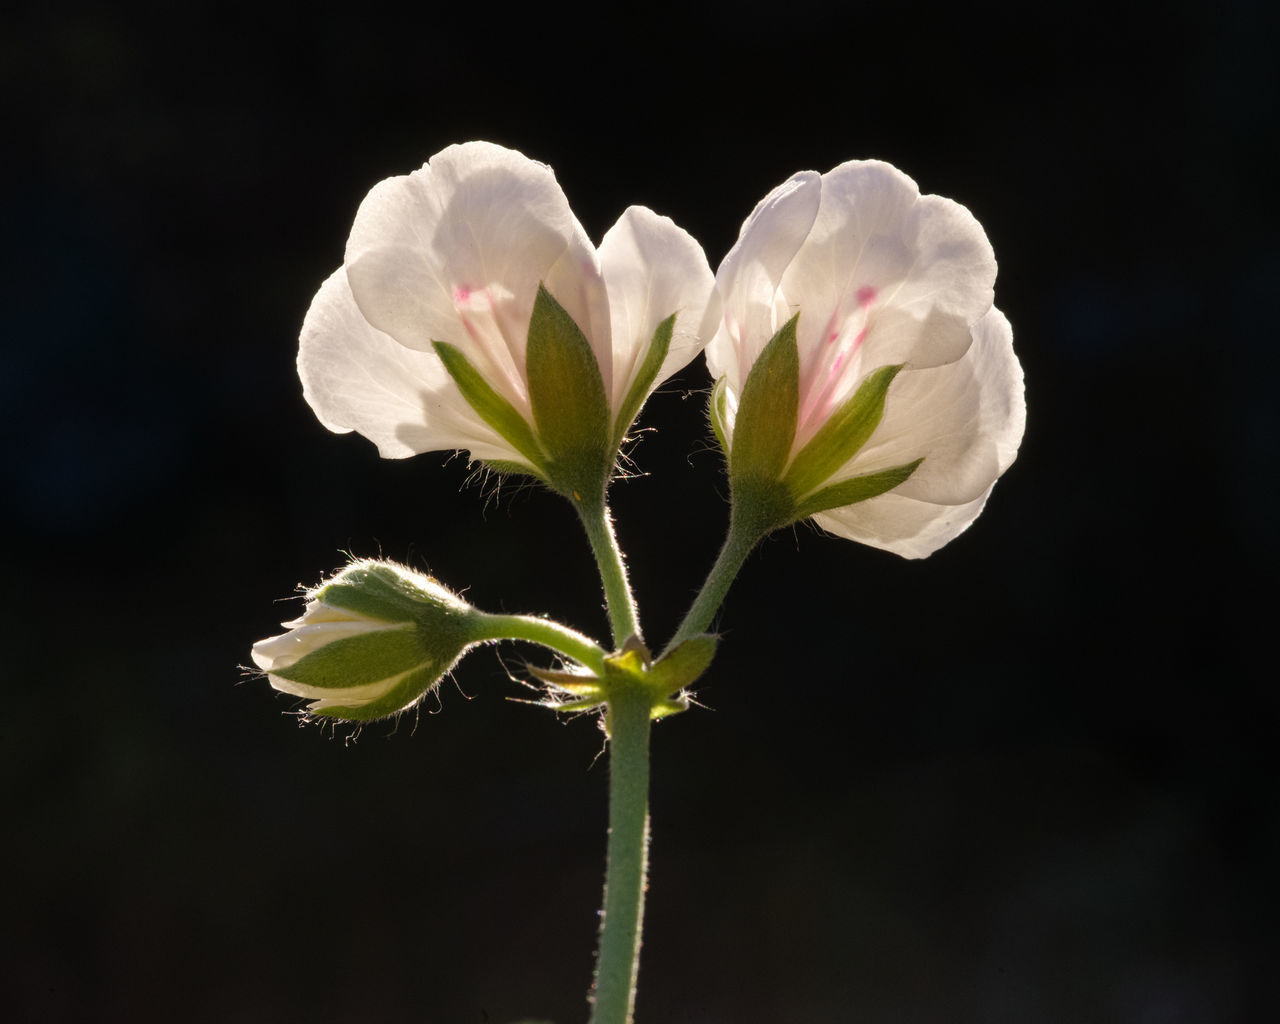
(628,854)
(744,534)
(548,633)
(623,619)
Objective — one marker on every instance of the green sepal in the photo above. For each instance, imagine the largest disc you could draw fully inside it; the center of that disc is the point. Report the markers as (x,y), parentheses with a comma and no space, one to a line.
(659,345)
(567,395)
(843,434)
(683,665)
(493,408)
(718,413)
(765,426)
(378,590)
(856,489)
(359,660)
(411,689)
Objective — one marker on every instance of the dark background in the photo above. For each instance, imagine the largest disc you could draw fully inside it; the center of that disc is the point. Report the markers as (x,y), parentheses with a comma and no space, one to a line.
(1029,779)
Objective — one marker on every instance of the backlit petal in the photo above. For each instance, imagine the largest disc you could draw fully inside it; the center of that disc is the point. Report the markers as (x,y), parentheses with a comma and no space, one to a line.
(357,378)
(455,251)
(965,418)
(905,526)
(748,280)
(885,277)
(652,268)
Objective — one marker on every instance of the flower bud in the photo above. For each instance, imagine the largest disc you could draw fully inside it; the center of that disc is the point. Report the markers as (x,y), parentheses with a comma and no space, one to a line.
(370,643)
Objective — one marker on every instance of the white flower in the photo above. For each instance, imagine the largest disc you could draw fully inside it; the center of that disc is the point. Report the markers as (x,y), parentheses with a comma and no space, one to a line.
(879,278)
(371,642)
(450,262)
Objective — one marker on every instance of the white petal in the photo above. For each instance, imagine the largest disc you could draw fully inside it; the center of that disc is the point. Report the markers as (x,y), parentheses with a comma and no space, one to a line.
(455,251)
(279,652)
(652,268)
(357,378)
(905,526)
(886,276)
(966,419)
(745,316)
(877,243)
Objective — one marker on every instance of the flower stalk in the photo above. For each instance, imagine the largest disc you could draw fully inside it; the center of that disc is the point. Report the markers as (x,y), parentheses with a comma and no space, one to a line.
(624,619)
(549,634)
(744,534)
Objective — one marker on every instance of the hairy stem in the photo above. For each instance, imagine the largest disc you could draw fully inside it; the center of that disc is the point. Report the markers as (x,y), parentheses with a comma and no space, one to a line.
(548,633)
(623,618)
(618,960)
(743,535)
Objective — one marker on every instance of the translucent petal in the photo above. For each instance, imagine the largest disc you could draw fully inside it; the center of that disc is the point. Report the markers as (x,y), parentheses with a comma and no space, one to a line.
(652,268)
(455,252)
(877,245)
(745,313)
(357,378)
(905,526)
(279,652)
(966,419)
(851,281)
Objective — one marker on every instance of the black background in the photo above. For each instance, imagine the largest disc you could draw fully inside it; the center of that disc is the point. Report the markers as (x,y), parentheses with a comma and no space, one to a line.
(1029,779)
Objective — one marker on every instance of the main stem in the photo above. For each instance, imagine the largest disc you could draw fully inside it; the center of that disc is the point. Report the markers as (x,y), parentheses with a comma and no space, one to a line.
(627,722)
(623,618)
(628,856)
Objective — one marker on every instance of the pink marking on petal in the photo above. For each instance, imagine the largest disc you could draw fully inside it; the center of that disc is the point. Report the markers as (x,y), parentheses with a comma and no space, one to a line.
(857,340)
(461,293)
(866,295)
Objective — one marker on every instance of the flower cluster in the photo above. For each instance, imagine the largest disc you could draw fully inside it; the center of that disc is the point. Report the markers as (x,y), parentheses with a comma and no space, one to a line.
(863,379)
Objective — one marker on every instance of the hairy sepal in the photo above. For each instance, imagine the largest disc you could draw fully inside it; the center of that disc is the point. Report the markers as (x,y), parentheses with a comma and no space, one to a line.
(640,387)
(568,399)
(494,409)
(842,436)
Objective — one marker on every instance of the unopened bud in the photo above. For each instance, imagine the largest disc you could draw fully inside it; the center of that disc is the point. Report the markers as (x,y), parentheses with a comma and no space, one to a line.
(370,643)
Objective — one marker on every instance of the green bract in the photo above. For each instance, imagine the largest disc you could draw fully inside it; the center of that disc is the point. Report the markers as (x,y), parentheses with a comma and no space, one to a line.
(632,670)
